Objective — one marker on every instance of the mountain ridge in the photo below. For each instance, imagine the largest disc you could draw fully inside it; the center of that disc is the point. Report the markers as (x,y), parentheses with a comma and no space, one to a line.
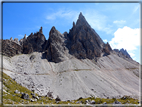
(82,41)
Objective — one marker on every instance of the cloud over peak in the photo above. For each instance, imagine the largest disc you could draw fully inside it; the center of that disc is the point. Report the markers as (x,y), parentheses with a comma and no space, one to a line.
(126,38)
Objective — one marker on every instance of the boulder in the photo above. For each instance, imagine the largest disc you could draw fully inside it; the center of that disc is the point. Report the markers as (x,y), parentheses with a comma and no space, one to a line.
(25,96)
(32,100)
(93,102)
(49,94)
(57,99)
(16,91)
(117,102)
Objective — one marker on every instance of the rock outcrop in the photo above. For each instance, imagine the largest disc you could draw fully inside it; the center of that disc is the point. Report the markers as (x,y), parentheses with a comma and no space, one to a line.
(10,48)
(125,53)
(83,41)
(122,53)
(34,42)
(56,48)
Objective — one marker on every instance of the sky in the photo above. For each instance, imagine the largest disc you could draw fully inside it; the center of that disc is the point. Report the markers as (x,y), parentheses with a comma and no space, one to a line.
(116,23)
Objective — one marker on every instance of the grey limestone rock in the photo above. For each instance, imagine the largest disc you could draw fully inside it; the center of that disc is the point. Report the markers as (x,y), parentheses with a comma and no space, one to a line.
(34,43)
(56,46)
(10,48)
(84,41)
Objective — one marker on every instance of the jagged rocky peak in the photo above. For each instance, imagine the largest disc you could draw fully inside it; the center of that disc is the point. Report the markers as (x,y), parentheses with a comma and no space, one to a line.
(53,29)
(34,42)
(73,24)
(11,39)
(107,49)
(56,48)
(25,37)
(82,21)
(84,41)
(122,53)
(125,53)
(15,40)
(55,35)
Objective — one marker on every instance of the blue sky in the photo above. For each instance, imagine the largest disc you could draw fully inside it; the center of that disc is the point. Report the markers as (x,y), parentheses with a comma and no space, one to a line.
(116,23)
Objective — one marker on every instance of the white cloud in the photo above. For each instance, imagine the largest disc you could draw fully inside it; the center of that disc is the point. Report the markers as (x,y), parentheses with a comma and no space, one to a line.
(126,38)
(63,13)
(105,40)
(136,8)
(119,21)
(132,54)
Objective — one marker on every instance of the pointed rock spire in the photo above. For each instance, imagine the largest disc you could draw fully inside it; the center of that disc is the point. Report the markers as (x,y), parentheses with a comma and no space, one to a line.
(25,36)
(82,21)
(81,16)
(73,24)
(41,30)
(125,53)
(53,29)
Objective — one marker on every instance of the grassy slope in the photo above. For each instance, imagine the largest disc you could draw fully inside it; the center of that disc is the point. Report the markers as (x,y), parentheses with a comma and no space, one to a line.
(9,97)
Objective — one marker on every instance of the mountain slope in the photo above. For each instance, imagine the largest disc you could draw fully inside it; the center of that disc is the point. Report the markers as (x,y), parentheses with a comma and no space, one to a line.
(75,78)
(71,65)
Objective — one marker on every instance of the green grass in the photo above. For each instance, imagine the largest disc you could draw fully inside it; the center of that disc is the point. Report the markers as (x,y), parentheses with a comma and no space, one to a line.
(9,97)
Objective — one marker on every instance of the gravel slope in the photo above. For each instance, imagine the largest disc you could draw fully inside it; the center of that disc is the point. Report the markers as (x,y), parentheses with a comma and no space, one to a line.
(110,76)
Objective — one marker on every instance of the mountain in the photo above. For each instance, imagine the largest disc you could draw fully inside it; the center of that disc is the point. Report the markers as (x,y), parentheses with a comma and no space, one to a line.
(71,65)
(123,52)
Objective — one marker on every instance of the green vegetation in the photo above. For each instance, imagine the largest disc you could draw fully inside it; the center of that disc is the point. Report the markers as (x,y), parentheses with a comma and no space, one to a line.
(9,97)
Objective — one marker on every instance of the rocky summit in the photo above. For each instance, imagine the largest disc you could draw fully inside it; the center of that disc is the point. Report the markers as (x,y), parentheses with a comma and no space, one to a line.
(72,65)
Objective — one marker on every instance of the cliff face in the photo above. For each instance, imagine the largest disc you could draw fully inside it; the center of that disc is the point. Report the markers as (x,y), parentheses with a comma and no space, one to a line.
(11,48)
(56,48)
(83,41)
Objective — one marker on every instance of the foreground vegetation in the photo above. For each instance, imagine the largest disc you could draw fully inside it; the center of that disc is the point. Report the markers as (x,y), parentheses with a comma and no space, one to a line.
(10,97)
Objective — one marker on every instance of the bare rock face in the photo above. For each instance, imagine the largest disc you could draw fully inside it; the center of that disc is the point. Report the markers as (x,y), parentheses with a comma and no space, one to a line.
(107,49)
(10,48)
(34,42)
(125,53)
(122,53)
(84,41)
(56,46)
(16,41)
